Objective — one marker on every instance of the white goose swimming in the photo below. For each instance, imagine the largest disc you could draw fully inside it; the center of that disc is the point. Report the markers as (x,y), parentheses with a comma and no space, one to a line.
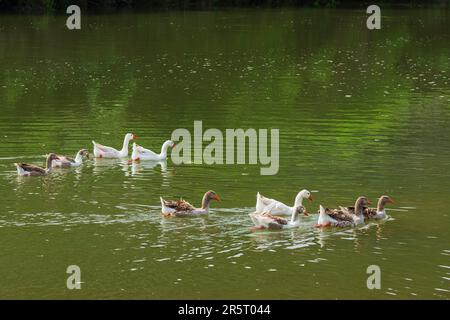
(140,153)
(276,207)
(101,151)
(266,220)
(66,162)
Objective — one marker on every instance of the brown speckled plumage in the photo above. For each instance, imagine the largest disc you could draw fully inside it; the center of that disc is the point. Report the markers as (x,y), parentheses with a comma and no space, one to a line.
(182,208)
(179,205)
(276,219)
(34,170)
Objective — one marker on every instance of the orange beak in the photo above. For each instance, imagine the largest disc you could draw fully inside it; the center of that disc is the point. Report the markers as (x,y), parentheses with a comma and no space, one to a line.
(391,200)
(134,137)
(305,213)
(216,197)
(310,198)
(369,202)
(174,145)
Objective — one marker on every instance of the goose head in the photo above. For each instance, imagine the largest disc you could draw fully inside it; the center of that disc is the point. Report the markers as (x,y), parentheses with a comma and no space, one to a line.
(297,212)
(166,145)
(360,203)
(130,136)
(52,156)
(84,153)
(382,201)
(300,210)
(209,195)
(304,194)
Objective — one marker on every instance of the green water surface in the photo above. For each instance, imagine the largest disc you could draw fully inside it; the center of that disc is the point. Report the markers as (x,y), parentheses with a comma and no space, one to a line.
(359,112)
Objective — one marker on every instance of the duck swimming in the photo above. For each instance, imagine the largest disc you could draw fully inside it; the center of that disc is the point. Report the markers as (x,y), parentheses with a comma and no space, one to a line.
(343,218)
(182,208)
(25,169)
(66,162)
(276,207)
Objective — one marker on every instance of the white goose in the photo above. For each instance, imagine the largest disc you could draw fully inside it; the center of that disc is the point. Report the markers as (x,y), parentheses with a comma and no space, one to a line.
(101,151)
(272,206)
(268,221)
(140,153)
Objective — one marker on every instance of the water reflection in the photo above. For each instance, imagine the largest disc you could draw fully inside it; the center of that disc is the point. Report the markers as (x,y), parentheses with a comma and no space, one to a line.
(104,164)
(138,167)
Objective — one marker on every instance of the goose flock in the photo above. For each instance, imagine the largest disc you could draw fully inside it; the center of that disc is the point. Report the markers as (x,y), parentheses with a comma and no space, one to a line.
(267,214)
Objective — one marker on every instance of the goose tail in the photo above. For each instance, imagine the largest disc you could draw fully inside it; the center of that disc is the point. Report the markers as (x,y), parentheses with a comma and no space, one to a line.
(259,204)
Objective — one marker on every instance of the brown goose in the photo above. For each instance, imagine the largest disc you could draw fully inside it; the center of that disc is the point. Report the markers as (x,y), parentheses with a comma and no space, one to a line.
(182,208)
(373,213)
(343,218)
(25,169)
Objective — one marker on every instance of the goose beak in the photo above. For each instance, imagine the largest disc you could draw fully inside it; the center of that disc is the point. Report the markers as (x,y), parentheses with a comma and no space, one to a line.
(135,137)
(174,145)
(216,197)
(391,200)
(369,202)
(310,198)
(305,213)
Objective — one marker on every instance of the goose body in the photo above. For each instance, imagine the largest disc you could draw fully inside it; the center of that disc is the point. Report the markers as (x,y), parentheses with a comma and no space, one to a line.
(332,218)
(66,162)
(140,153)
(101,151)
(267,220)
(342,218)
(276,207)
(182,208)
(25,169)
